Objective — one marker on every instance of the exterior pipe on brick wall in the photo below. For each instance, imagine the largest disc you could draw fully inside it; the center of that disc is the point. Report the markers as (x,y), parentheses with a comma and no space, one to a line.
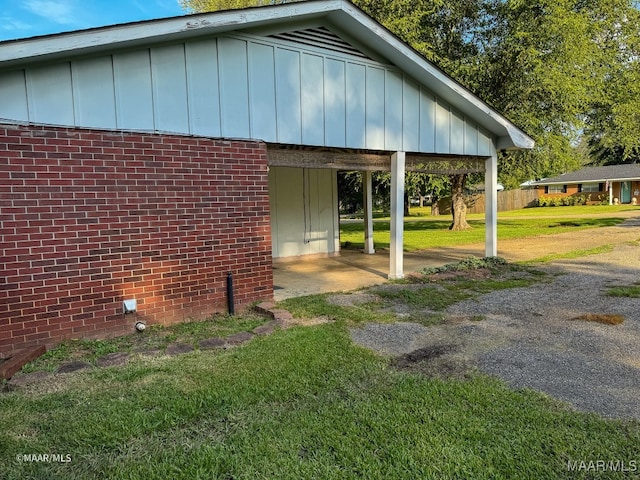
(230,301)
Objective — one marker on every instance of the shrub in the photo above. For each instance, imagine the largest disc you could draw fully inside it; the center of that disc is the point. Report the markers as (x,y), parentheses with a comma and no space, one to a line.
(544,201)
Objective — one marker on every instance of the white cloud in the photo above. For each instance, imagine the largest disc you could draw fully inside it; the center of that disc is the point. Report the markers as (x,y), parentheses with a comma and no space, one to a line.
(13,25)
(62,12)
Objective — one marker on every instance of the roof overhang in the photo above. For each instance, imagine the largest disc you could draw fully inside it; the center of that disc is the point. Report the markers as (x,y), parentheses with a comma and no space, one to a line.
(341,13)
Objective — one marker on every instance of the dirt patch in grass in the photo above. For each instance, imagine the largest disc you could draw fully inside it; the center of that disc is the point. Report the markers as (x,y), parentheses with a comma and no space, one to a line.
(352,299)
(605,318)
(435,361)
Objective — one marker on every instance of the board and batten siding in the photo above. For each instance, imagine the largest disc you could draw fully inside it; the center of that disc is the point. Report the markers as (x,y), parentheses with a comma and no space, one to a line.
(304,211)
(244,86)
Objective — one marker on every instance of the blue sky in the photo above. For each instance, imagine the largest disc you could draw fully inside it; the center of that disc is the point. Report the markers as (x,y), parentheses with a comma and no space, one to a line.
(28,18)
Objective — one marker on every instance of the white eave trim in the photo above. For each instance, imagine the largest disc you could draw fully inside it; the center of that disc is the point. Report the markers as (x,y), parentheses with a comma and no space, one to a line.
(103,38)
(542,183)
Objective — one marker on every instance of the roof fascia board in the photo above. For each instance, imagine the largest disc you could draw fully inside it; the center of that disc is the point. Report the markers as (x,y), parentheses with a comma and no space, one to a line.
(139,33)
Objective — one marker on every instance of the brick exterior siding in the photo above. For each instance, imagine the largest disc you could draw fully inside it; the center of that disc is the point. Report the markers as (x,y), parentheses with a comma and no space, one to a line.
(89,218)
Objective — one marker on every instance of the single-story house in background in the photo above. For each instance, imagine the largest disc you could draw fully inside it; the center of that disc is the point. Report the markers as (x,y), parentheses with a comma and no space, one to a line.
(611,182)
(147,161)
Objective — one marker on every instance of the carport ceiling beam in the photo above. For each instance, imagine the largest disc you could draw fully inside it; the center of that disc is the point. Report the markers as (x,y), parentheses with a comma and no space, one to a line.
(372,162)
(336,160)
(446,165)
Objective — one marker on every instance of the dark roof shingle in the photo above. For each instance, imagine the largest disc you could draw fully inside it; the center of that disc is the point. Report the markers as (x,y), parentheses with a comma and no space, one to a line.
(629,171)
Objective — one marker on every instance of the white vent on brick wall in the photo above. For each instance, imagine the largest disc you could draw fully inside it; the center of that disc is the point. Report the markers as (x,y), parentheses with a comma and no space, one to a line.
(320,37)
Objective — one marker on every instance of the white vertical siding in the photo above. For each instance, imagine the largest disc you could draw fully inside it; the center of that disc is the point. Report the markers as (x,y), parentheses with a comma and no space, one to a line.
(50,95)
(443,128)
(234,87)
(356,106)
(169,75)
(13,96)
(411,117)
(245,87)
(427,122)
(203,88)
(93,91)
(312,98)
(262,91)
(470,139)
(457,134)
(393,107)
(288,88)
(485,144)
(335,98)
(134,94)
(374,114)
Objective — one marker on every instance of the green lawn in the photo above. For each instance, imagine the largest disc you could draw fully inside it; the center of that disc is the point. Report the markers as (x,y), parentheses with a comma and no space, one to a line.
(422,231)
(302,403)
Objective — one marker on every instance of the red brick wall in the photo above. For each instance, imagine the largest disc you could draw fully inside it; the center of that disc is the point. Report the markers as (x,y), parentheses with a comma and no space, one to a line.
(90,218)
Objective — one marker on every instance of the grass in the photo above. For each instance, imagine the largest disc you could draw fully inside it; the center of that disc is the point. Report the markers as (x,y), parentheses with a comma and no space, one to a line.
(572,254)
(433,232)
(318,306)
(576,210)
(301,403)
(430,297)
(631,291)
(156,338)
(569,211)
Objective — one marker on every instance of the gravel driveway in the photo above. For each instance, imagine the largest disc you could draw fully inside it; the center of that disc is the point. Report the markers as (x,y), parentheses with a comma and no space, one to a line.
(529,337)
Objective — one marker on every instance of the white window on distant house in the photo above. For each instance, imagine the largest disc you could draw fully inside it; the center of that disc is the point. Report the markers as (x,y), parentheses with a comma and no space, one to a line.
(590,187)
(557,189)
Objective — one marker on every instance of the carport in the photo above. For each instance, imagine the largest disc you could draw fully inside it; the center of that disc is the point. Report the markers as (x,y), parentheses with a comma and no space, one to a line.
(367,162)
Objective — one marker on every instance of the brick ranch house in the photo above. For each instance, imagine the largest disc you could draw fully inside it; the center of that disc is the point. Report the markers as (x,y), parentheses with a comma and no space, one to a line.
(612,183)
(146,161)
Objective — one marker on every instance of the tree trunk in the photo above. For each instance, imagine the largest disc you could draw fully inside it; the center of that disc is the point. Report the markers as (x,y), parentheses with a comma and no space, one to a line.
(406,203)
(435,208)
(458,207)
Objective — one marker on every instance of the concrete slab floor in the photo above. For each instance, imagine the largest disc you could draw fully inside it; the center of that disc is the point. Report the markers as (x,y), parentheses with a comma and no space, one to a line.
(351,270)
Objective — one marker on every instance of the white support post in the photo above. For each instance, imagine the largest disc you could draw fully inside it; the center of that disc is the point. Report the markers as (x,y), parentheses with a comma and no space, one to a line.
(397,215)
(491,205)
(368,213)
(610,193)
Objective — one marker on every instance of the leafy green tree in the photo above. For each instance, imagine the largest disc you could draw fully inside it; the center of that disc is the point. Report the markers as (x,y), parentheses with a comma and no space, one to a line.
(216,5)
(613,125)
